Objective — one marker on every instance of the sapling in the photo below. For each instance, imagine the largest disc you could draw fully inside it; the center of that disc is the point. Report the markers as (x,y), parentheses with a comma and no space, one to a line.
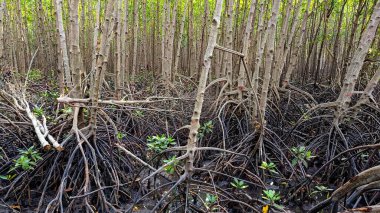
(271,195)
(239,184)
(172,161)
(271,167)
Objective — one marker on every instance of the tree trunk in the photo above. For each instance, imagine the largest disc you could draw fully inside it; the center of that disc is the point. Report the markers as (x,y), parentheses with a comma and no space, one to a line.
(294,56)
(135,39)
(242,72)
(179,42)
(194,125)
(357,61)
(2,8)
(75,49)
(118,77)
(101,62)
(269,58)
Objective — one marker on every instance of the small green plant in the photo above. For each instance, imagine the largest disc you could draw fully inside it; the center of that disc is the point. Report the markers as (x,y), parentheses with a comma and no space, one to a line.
(271,167)
(301,155)
(173,162)
(24,163)
(160,143)
(67,110)
(206,128)
(31,153)
(7,177)
(306,117)
(38,111)
(138,113)
(239,184)
(120,135)
(27,160)
(272,196)
(34,75)
(50,94)
(321,189)
(210,201)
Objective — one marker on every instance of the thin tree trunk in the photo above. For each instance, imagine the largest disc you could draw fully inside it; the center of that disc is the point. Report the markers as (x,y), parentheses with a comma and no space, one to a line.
(179,42)
(269,58)
(2,58)
(101,62)
(62,36)
(357,61)
(75,49)
(135,39)
(194,124)
(95,44)
(242,72)
(125,48)
(229,44)
(294,56)
(118,77)
(259,50)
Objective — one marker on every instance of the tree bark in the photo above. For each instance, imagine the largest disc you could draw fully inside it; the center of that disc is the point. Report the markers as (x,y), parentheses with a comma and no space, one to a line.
(357,61)
(194,125)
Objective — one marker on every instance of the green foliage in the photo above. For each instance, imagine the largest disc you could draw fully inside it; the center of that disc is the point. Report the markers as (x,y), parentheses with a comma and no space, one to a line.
(239,184)
(31,153)
(173,162)
(7,177)
(160,143)
(27,160)
(206,128)
(271,167)
(138,113)
(301,155)
(67,110)
(50,94)
(38,111)
(271,195)
(321,189)
(35,75)
(210,201)
(23,162)
(120,135)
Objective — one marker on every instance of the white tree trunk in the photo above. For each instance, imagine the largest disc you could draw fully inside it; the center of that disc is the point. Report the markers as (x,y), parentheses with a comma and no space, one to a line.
(62,36)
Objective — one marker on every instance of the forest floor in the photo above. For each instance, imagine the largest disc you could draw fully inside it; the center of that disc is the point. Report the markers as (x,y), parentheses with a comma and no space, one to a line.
(302,160)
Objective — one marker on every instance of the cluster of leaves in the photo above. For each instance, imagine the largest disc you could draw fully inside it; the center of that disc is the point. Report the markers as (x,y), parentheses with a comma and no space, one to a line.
(159,143)
(120,135)
(271,167)
(301,155)
(321,189)
(27,161)
(50,94)
(206,128)
(172,163)
(210,201)
(67,110)
(35,75)
(239,184)
(272,196)
(38,111)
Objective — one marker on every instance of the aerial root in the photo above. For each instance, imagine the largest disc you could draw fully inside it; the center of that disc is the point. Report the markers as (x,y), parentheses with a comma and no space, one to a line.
(366,177)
